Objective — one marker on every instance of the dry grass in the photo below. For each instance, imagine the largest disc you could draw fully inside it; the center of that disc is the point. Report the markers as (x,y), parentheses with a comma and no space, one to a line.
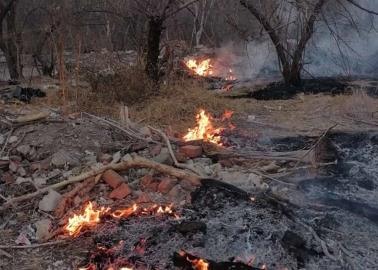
(360,105)
(177,104)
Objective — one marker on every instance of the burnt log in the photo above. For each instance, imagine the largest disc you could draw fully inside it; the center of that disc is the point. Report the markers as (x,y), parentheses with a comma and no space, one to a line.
(187,261)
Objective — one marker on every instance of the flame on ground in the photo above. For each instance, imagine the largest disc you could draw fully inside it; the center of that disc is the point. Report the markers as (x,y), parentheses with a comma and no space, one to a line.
(201,68)
(205,129)
(197,264)
(91,216)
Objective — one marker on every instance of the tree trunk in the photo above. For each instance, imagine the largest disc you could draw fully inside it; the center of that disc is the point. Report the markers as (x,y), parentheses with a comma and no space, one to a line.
(153,48)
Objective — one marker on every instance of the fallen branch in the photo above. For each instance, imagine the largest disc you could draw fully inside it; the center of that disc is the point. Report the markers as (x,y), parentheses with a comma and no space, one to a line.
(177,164)
(30,118)
(134,162)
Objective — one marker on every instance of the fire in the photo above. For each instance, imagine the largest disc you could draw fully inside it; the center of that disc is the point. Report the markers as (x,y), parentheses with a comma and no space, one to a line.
(202,68)
(91,216)
(205,129)
(197,264)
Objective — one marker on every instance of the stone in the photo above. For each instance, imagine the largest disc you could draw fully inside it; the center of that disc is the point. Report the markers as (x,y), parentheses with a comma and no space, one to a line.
(50,201)
(120,192)
(113,179)
(143,198)
(166,185)
(177,194)
(155,150)
(106,158)
(7,177)
(35,166)
(21,180)
(62,158)
(191,151)
(13,166)
(40,181)
(164,157)
(12,139)
(43,227)
(24,150)
(145,131)
(116,157)
(21,171)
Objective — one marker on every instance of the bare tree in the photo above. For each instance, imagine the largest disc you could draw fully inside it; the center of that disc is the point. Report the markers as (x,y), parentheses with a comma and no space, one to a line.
(9,38)
(157,13)
(278,22)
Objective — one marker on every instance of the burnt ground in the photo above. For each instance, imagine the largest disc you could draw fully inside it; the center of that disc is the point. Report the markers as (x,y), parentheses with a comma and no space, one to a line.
(315,217)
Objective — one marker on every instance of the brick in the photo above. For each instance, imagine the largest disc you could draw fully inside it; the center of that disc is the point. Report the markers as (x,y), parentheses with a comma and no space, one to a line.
(143,198)
(120,192)
(113,179)
(191,151)
(166,185)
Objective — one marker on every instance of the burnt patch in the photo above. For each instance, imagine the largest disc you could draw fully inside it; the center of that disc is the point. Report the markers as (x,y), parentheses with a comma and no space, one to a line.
(281,91)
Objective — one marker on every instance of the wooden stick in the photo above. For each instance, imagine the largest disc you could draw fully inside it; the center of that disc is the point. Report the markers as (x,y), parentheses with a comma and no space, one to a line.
(169,145)
(134,162)
(30,118)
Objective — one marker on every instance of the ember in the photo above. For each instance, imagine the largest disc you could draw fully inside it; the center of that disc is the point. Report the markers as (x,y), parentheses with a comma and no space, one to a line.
(205,129)
(91,217)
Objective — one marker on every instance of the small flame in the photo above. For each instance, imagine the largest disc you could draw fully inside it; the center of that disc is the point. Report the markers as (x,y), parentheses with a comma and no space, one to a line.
(205,129)
(197,264)
(91,217)
(202,68)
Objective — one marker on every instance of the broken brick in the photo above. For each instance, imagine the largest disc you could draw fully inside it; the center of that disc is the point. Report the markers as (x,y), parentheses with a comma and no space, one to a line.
(191,151)
(120,192)
(113,179)
(166,185)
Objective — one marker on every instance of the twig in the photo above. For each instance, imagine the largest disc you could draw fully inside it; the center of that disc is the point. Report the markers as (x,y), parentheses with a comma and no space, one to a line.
(6,254)
(127,131)
(272,178)
(169,145)
(134,162)
(53,243)
(6,142)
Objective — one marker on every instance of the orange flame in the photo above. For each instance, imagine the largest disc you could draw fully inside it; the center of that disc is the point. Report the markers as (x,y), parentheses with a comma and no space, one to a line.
(91,217)
(202,68)
(205,129)
(197,264)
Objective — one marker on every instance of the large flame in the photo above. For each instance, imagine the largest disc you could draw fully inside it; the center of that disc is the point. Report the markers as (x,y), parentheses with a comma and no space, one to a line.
(205,129)
(202,68)
(92,216)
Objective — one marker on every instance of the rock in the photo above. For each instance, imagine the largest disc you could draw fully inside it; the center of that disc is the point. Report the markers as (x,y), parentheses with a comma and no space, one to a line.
(143,198)
(35,166)
(187,185)
(23,149)
(186,227)
(145,131)
(21,180)
(23,239)
(21,171)
(62,158)
(113,179)
(181,157)
(155,150)
(191,151)
(40,181)
(164,157)
(7,177)
(148,183)
(106,158)
(127,157)
(116,157)
(12,139)
(177,194)
(166,185)
(13,166)
(43,227)
(120,192)
(50,201)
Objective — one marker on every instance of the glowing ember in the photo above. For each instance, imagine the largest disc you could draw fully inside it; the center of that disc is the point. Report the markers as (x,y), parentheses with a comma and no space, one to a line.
(91,216)
(202,68)
(205,129)
(197,264)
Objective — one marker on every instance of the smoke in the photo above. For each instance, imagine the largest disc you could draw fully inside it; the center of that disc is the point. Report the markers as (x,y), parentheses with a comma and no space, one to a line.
(342,51)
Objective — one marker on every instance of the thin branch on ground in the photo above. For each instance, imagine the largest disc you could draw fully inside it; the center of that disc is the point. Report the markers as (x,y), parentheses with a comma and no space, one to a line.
(47,244)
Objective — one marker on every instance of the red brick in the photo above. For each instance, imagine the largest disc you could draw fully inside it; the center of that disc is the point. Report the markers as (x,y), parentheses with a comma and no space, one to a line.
(143,198)
(180,157)
(145,181)
(120,192)
(166,185)
(191,151)
(113,179)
